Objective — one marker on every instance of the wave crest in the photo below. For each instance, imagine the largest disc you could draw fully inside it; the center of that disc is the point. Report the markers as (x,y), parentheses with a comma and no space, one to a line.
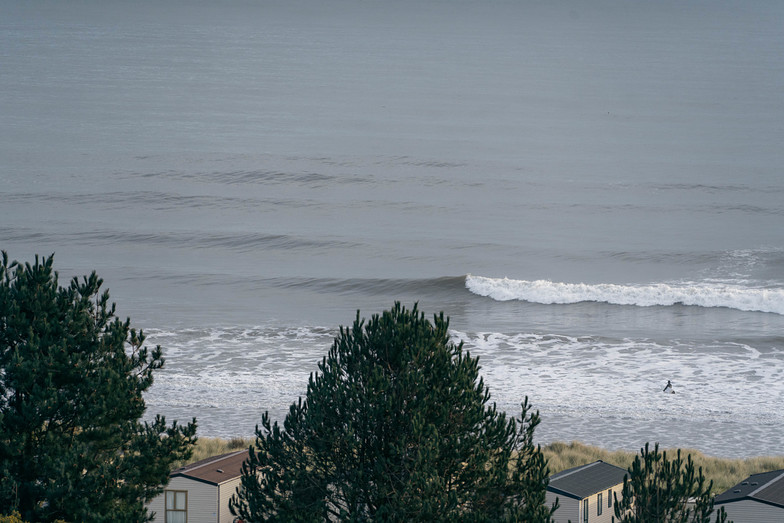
(662,294)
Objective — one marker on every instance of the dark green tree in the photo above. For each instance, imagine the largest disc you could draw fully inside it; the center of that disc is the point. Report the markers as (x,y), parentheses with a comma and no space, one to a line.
(660,490)
(395,426)
(72,375)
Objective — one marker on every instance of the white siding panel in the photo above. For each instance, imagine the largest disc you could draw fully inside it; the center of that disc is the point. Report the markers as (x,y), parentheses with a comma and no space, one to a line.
(226,492)
(748,511)
(608,513)
(572,510)
(202,501)
(568,509)
(157,506)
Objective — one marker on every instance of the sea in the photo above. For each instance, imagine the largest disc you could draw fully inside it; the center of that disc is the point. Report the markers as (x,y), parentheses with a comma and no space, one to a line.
(592,192)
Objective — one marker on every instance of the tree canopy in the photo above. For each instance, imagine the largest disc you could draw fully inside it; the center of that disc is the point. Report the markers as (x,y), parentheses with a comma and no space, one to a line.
(662,490)
(396,425)
(72,375)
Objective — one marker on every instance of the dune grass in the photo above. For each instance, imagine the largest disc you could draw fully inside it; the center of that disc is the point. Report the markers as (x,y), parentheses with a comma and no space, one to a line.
(724,472)
(208,447)
(561,456)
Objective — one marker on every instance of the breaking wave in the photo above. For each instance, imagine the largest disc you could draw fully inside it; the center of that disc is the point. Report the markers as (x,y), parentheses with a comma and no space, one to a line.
(661,294)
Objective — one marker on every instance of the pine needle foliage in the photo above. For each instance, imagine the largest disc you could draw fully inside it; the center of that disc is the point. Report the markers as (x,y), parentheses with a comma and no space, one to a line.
(662,490)
(396,426)
(72,375)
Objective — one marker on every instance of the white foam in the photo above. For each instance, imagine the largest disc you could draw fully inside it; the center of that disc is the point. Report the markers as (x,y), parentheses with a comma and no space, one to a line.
(663,294)
(623,379)
(227,377)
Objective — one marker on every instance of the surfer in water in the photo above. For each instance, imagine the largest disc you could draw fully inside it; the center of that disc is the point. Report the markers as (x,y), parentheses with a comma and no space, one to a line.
(668,388)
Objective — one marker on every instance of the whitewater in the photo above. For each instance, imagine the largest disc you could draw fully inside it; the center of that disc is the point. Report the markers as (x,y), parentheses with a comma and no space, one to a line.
(592,192)
(685,293)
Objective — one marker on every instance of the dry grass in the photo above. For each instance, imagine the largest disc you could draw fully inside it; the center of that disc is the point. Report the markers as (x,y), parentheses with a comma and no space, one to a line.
(208,447)
(561,456)
(724,472)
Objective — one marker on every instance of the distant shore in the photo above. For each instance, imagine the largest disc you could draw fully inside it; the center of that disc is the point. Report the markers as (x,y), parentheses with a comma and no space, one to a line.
(724,472)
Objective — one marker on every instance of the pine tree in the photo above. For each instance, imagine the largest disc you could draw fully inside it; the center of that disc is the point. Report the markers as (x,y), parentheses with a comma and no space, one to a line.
(660,490)
(72,375)
(395,426)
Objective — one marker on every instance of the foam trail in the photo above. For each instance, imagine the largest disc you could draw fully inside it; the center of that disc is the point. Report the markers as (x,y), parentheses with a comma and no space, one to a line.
(701,294)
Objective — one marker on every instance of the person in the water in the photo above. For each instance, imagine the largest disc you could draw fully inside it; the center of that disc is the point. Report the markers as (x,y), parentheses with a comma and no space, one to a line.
(668,388)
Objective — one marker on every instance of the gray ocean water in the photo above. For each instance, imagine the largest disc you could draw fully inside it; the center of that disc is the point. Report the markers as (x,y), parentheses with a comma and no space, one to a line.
(592,191)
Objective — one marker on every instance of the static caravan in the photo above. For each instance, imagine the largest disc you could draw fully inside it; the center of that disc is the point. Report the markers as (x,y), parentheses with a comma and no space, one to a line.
(757,499)
(200,492)
(586,493)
